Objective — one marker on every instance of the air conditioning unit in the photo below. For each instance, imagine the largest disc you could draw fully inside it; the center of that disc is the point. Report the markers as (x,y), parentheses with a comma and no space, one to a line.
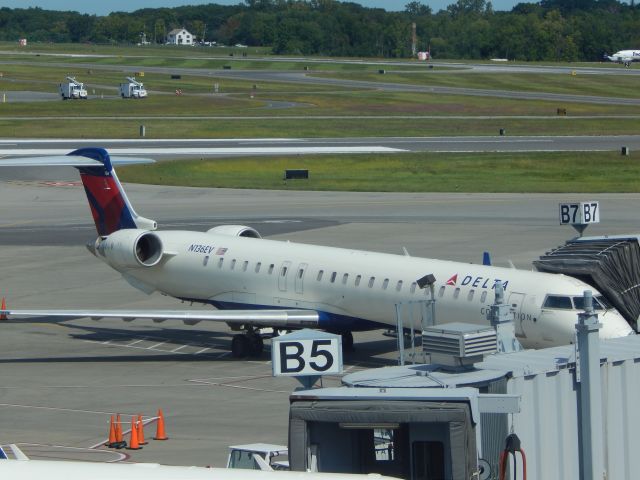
(458,344)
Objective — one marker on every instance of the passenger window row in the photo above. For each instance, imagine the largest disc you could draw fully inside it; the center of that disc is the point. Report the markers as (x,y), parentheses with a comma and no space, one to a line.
(552,301)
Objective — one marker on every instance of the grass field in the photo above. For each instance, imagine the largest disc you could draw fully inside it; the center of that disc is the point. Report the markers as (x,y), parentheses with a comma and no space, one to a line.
(352,112)
(424,172)
(255,109)
(605,85)
(95,127)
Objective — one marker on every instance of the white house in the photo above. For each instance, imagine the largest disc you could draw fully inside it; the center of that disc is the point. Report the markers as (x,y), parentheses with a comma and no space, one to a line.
(179,36)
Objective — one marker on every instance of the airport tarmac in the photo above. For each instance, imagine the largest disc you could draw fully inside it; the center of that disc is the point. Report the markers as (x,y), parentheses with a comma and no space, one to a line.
(60,382)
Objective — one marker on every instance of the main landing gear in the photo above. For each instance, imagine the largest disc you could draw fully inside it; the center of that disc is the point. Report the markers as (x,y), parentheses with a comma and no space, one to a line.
(248,344)
(347,342)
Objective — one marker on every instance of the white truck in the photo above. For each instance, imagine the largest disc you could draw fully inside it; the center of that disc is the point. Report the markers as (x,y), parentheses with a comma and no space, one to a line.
(73,89)
(132,89)
(258,456)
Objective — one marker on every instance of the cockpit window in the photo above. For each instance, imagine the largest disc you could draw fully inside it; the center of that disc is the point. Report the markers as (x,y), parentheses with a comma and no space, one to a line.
(558,301)
(604,302)
(578,303)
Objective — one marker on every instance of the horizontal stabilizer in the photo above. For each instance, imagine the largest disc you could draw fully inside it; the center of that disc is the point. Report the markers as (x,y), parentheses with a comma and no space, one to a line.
(69,161)
(266,318)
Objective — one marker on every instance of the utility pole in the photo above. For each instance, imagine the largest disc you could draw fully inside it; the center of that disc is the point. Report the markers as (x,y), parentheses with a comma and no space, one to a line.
(414,39)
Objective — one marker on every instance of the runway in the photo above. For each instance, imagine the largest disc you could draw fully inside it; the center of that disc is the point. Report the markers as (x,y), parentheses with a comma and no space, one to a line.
(184,148)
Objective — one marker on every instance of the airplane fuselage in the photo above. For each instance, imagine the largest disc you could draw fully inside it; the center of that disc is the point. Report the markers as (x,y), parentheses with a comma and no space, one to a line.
(351,289)
(625,56)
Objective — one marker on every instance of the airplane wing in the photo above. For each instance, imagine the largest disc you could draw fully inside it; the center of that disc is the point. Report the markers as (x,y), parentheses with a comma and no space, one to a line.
(266,318)
(68,161)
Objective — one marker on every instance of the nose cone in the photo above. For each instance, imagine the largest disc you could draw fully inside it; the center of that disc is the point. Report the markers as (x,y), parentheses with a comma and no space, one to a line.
(614,325)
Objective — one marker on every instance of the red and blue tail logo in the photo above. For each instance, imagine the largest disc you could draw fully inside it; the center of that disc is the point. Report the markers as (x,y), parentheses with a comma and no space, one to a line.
(109,204)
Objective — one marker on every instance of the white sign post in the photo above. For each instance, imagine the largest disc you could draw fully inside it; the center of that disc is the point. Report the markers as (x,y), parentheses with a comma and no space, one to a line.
(306,355)
(579,215)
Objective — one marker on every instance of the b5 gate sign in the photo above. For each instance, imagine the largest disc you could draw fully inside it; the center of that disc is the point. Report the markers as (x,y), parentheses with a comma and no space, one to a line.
(306,353)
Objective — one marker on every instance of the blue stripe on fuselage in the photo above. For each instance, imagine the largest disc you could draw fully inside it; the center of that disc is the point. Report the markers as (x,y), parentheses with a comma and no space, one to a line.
(330,322)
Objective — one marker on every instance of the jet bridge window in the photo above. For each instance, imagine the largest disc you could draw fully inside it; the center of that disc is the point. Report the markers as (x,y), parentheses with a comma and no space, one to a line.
(558,301)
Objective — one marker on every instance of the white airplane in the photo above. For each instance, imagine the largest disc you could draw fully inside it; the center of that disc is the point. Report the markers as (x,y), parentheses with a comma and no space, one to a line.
(624,56)
(256,283)
(66,470)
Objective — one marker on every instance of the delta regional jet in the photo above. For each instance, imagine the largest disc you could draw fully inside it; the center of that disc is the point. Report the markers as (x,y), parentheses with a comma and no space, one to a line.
(624,56)
(256,283)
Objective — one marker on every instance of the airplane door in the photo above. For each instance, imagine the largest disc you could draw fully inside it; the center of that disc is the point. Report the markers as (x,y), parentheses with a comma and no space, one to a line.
(516,300)
(302,268)
(282,276)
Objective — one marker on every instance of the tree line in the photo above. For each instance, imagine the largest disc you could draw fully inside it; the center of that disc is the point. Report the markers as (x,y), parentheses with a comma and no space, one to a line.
(551,30)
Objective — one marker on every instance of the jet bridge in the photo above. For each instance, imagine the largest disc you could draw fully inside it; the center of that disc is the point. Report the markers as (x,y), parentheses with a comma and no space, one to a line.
(610,264)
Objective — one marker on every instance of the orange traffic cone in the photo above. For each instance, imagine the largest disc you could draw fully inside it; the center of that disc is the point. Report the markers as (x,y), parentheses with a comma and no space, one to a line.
(3,306)
(133,439)
(112,434)
(119,436)
(160,433)
(141,431)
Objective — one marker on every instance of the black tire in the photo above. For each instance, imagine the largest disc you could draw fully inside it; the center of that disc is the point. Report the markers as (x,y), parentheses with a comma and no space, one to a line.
(240,346)
(256,344)
(347,342)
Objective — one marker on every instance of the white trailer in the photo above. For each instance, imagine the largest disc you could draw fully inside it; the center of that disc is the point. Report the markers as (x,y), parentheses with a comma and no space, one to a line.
(73,89)
(132,89)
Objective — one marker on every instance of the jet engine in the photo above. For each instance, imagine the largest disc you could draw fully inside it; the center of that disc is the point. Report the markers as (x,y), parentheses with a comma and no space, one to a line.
(132,248)
(235,231)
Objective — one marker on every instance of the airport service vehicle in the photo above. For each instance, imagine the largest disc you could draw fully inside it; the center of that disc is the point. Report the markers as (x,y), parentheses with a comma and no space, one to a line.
(624,56)
(132,89)
(66,470)
(257,283)
(73,90)
(258,456)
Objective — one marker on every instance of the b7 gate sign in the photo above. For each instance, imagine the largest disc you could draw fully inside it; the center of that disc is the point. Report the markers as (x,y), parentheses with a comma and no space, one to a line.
(582,213)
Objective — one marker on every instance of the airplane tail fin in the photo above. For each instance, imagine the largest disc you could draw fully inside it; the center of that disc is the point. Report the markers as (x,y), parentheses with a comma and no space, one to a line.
(109,204)
(110,207)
